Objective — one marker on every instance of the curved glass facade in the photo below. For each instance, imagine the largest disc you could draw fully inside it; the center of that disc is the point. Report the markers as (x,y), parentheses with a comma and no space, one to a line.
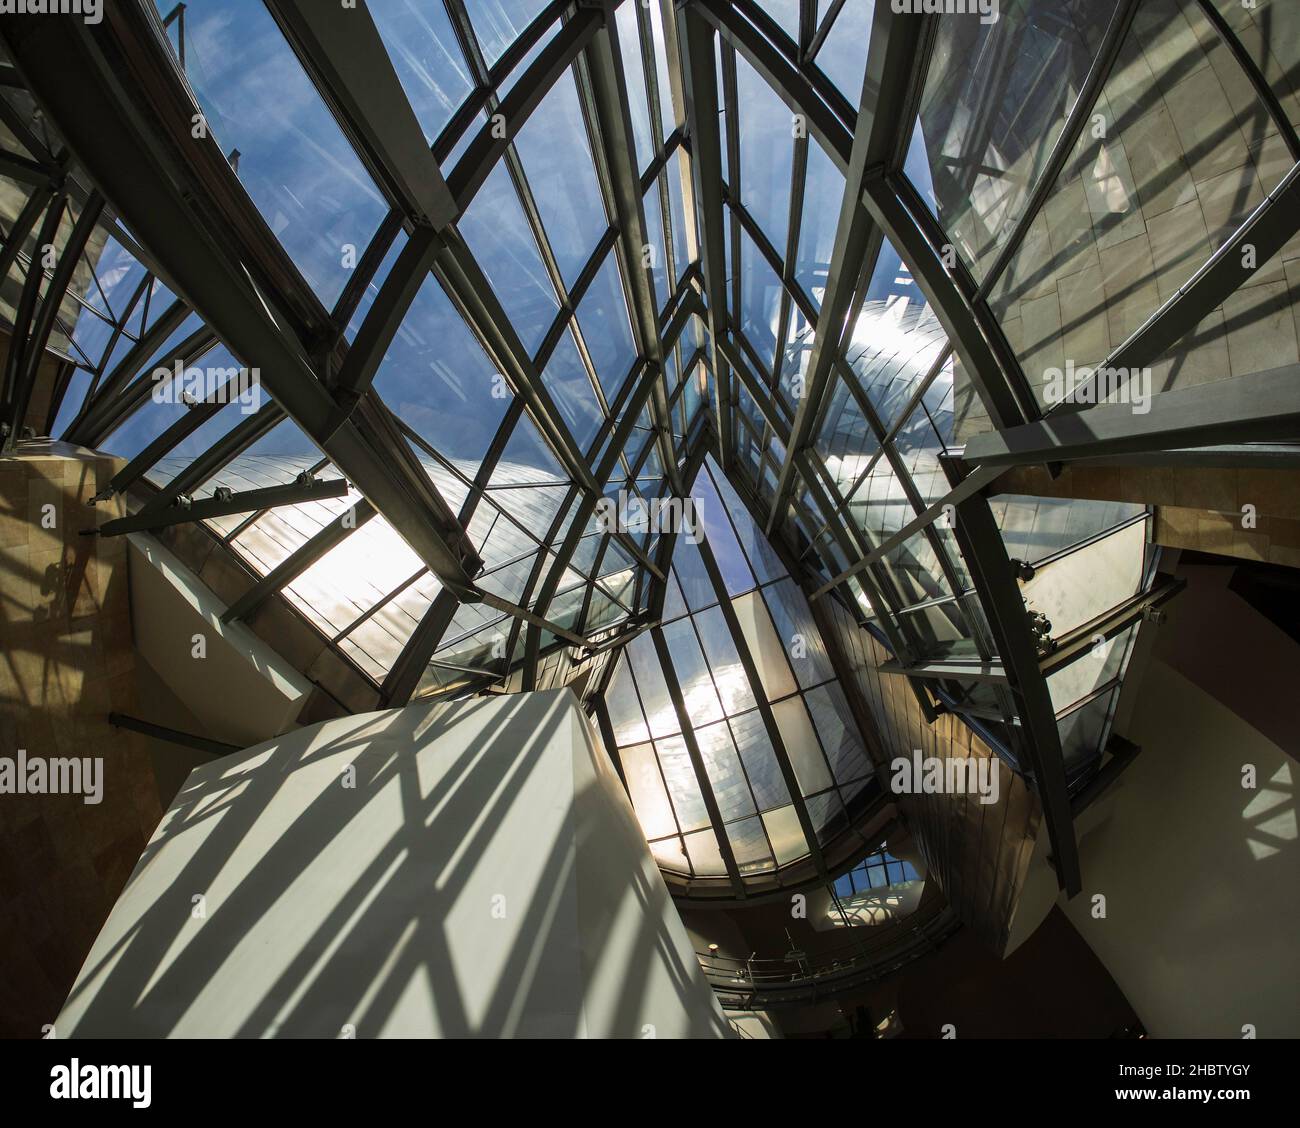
(548,255)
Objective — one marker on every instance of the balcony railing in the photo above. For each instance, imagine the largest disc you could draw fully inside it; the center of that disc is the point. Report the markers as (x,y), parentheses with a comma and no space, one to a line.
(796,977)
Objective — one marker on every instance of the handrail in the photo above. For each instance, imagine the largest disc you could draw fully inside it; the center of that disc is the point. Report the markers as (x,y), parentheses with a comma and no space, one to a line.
(766,981)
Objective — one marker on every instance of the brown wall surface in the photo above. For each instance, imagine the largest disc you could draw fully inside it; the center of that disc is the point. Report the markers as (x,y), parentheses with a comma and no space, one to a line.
(66,661)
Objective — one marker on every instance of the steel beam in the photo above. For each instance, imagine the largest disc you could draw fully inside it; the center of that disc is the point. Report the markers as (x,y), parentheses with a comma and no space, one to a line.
(975,481)
(404,676)
(298,561)
(121,106)
(993,577)
(238,439)
(108,405)
(343,54)
(22,226)
(951,670)
(974,333)
(17,389)
(696,42)
(52,300)
(1082,639)
(378,328)
(186,425)
(470,291)
(496,136)
(172,736)
(246,501)
(880,139)
(1263,407)
(794,87)
(1263,91)
(609,114)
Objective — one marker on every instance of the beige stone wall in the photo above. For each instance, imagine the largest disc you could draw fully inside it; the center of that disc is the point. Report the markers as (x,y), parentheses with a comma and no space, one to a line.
(1197,507)
(66,661)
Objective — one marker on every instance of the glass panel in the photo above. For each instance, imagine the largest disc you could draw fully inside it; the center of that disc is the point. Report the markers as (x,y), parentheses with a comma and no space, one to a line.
(706,860)
(557,160)
(724,771)
(823,193)
(1182,160)
(565,377)
(843,56)
(655,242)
(694,580)
(701,700)
(838,731)
(646,787)
(996,97)
(721,539)
(724,662)
(1081,586)
(498,23)
(606,329)
(629,42)
(671,855)
(766,153)
(749,845)
(762,557)
(800,740)
(436,379)
(786,835)
(682,236)
(1100,664)
(759,758)
(660,714)
(353,576)
(760,301)
(497,232)
(666,116)
(764,646)
(1081,735)
(896,338)
(683,787)
(376,643)
(798,633)
(1034,528)
(294,161)
(426,55)
(786,13)
(371,291)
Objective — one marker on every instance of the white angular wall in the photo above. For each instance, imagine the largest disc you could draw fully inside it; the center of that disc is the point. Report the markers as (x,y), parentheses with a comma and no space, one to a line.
(484,877)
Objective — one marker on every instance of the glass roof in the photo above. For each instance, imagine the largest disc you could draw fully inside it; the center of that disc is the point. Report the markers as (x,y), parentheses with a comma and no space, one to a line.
(623,284)
(726,598)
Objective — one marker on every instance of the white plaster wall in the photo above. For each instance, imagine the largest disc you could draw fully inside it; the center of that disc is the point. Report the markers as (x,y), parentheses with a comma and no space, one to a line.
(1201,877)
(242,691)
(485,877)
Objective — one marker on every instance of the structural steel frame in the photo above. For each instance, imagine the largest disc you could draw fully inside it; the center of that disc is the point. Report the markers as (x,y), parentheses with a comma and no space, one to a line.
(123,107)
